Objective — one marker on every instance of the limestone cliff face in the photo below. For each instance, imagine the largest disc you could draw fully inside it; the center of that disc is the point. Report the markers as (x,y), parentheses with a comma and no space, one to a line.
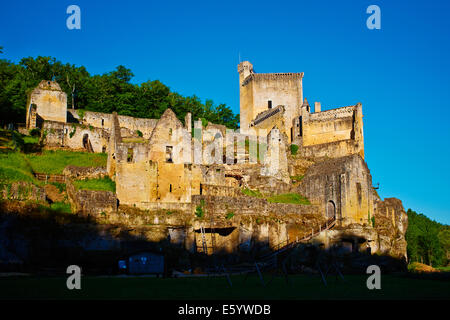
(391,223)
(341,188)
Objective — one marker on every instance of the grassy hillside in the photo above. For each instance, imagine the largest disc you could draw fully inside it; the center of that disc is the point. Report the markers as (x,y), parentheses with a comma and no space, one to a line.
(16,164)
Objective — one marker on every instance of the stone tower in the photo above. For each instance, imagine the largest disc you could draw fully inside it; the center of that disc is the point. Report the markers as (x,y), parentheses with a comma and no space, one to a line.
(268,100)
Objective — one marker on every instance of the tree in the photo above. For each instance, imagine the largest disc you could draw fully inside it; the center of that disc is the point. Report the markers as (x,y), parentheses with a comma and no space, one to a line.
(425,241)
(111,91)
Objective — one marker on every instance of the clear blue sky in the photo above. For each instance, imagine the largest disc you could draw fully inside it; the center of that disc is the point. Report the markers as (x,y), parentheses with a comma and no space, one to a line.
(399,73)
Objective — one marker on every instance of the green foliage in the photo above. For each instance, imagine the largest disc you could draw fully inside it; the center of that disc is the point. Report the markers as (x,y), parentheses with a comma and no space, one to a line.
(81,113)
(204,122)
(100,184)
(71,133)
(428,241)
(252,193)
(14,167)
(294,149)
(111,91)
(296,179)
(199,211)
(61,186)
(229,215)
(373,221)
(61,207)
(139,133)
(36,132)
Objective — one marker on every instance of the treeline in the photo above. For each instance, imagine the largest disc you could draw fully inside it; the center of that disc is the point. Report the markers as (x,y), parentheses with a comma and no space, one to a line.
(108,92)
(428,241)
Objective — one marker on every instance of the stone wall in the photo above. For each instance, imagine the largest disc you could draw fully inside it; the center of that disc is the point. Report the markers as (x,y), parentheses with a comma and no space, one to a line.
(104,121)
(74,172)
(23,191)
(91,201)
(342,187)
(225,191)
(75,136)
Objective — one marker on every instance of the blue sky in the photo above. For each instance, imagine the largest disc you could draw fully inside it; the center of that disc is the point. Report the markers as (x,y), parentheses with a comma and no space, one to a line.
(399,73)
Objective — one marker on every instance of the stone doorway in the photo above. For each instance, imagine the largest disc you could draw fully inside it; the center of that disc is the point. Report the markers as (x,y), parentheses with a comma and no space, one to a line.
(331,210)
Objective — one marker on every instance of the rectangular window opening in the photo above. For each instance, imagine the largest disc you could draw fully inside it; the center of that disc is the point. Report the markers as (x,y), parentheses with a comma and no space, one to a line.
(130,155)
(169,154)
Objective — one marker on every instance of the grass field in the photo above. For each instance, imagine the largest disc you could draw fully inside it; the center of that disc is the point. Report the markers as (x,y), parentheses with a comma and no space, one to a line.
(102,184)
(294,198)
(54,162)
(303,287)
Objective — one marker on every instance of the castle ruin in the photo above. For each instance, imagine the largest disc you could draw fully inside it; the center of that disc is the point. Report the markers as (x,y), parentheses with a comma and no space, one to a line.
(163,165)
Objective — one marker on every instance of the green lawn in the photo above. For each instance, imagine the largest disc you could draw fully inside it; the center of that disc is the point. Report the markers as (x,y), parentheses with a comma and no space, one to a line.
(54,162)
(14,167)
(294,198)
(303,287)
(102,184)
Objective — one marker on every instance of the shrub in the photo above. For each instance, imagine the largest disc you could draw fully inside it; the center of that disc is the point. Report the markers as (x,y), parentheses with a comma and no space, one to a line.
(73,131)
(199,212)
(294,149)
(61,207)
(36,132)
(296,179)
(80,113)
(252,193)
(139,133)
(229,215)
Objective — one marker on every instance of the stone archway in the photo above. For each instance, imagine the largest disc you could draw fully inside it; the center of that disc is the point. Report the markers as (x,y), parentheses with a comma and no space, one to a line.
(331,210)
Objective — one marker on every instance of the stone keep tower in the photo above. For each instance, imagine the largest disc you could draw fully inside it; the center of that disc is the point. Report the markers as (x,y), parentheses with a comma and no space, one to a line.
(268,100)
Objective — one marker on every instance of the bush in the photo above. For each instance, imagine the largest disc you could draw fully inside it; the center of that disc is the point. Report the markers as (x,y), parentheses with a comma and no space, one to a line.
(199,212)
(36,132)
(139,133)
(229,215)
(294,149)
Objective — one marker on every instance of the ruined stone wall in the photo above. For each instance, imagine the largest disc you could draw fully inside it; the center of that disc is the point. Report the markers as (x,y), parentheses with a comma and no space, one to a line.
(328,126)
(74,172)
(250,206)
(341,187)
(341,126)
(75,136)
(129,125)
(50,101)
(91,201)
(22,191)
(331,149)
(135,175)
(225,191)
